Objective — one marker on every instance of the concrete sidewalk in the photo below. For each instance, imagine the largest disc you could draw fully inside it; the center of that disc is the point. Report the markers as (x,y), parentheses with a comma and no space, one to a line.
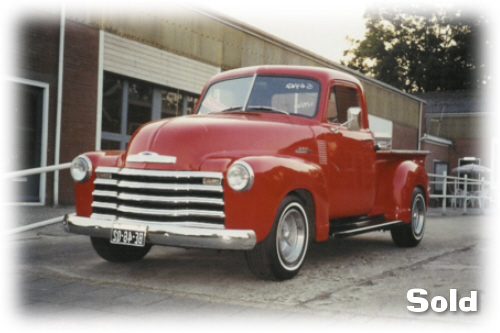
(50,300)
(24,215)
(58,281)
(361,280)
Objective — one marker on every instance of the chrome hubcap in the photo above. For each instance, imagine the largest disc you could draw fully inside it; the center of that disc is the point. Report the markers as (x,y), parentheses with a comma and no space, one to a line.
(292,236)
(418,215)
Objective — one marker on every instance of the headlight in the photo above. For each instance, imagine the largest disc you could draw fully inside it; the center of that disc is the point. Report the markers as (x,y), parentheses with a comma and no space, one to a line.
(240,176)
(81,169)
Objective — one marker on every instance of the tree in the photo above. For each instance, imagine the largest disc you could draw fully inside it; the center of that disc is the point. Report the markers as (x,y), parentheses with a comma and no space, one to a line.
(416,50)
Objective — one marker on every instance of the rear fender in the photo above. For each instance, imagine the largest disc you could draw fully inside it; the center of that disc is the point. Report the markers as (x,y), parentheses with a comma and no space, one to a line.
(275,178)
(395,189)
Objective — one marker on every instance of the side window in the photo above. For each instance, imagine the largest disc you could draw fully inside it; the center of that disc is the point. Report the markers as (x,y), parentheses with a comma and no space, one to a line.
(333,115)
(341,99)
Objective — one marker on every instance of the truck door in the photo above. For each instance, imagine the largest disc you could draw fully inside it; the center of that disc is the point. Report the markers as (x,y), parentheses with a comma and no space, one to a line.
(350,153)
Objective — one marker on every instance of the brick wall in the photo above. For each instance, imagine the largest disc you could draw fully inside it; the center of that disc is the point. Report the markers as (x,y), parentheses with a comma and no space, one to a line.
(36,50)
(437,153)
(35,53)
(480,148)
(79,99)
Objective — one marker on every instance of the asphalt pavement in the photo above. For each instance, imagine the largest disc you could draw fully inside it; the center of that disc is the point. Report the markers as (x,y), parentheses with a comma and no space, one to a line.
(57,281)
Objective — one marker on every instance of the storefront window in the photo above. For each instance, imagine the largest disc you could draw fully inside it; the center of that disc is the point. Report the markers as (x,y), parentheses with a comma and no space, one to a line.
(139,105)
(112,104)
(110,145)
(128,103)
(191,104)
(170,103)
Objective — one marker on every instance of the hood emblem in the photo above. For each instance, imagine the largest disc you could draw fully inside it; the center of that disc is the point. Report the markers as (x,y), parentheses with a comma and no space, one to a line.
(304,150)
(151,157)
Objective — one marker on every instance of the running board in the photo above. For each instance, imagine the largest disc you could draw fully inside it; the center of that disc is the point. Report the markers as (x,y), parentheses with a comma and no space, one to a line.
(351,227)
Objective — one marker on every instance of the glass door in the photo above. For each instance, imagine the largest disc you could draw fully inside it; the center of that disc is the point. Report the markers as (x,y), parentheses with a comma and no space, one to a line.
(29,110)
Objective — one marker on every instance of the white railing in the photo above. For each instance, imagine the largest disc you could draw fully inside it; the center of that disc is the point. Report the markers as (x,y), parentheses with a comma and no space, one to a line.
(35,171)
(460,192)
(22,174)
(35,225)
(29,172)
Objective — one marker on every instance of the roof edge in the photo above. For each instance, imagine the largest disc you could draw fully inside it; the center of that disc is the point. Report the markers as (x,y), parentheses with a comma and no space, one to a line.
(435,139)
(294,48)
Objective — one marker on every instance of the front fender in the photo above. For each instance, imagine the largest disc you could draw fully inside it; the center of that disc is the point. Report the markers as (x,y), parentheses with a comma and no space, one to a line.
(83,191)
(275,178)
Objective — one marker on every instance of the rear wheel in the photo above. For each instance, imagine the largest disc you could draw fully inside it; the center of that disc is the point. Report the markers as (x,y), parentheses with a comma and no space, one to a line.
(118,253)
(280,256)
(409,235)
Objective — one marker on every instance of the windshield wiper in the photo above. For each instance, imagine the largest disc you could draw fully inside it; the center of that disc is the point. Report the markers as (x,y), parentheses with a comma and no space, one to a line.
(267,109)
(232,108)
(252,108)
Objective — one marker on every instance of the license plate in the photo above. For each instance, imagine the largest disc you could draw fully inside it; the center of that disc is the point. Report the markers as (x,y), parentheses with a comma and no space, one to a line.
(134,235)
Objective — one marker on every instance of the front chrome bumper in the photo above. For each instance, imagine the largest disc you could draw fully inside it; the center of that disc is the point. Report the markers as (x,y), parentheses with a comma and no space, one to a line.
(191,235)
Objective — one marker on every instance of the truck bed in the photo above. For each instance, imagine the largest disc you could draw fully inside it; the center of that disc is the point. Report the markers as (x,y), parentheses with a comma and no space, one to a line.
(415,155)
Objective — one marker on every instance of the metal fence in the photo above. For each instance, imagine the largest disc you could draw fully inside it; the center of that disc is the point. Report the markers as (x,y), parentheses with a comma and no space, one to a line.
(459,192)
(42,171)
(35,171)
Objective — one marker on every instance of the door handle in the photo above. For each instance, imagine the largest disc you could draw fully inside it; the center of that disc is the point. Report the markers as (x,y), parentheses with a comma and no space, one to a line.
(334,130)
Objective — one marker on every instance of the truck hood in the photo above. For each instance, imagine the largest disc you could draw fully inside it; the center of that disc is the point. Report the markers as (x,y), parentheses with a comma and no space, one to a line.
(184,143)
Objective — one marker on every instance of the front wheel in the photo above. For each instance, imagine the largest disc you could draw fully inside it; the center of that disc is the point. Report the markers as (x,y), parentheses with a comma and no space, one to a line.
(280,256)
(118,253)
(409,235)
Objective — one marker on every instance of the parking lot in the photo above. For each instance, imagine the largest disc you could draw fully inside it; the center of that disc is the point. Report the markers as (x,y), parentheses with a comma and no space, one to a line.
(59,281)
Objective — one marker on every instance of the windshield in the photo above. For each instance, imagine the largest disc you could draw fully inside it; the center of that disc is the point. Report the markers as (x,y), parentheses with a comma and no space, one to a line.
(290,95)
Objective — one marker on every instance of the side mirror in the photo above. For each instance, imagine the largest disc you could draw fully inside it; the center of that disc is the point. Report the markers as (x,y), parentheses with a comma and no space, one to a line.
(353,122)
(353,118)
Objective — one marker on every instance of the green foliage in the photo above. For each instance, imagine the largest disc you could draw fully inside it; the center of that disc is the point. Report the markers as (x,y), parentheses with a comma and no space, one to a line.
(418,50)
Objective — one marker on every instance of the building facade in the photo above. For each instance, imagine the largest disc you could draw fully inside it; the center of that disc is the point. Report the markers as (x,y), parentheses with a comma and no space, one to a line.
(457,126)
(86,79)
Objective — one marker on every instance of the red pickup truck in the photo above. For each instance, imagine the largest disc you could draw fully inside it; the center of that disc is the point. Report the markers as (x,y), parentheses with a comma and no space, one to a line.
(273,158)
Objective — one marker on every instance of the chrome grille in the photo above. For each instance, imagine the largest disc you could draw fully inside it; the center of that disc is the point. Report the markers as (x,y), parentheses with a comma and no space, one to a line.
(158,196)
